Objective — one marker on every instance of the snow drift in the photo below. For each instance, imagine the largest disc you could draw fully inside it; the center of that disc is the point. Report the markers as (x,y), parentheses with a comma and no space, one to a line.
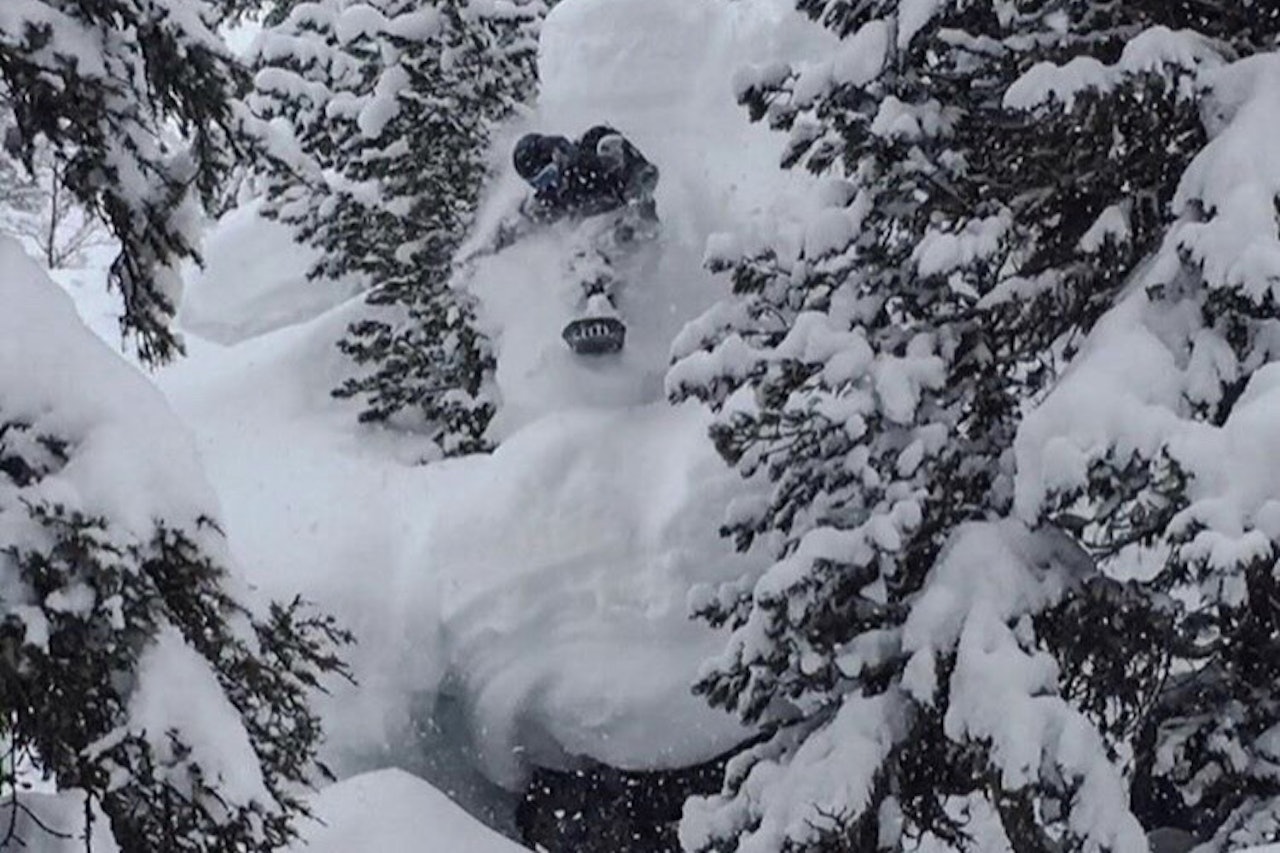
(393,812)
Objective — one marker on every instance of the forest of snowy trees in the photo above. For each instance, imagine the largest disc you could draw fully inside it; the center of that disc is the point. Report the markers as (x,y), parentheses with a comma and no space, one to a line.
(933,504)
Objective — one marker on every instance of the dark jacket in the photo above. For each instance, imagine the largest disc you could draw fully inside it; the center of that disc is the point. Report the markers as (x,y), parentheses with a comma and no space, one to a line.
(600,172)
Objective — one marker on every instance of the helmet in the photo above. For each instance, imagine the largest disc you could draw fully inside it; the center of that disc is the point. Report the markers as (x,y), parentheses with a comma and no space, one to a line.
(532,154)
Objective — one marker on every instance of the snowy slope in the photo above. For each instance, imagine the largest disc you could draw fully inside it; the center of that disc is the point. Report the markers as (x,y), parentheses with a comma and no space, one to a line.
(536,597)
(254,281)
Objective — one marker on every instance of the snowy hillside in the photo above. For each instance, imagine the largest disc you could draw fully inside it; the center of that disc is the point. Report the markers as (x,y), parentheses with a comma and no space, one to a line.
(931,504)
(541,590)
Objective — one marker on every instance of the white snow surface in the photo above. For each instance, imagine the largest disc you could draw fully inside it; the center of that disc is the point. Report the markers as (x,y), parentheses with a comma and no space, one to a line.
(390,811)
(177,690)
(661,72)
(254,280)
(569,631)
(541,589)
(47,360)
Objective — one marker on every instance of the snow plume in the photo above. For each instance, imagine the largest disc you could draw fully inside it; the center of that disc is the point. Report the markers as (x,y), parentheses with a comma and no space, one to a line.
(526,607)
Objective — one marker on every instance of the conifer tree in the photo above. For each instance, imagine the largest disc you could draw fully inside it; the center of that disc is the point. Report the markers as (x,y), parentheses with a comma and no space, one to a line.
(413,93)
(873,368)
(102,83)
(314,70)
(133,671)
(1161,467)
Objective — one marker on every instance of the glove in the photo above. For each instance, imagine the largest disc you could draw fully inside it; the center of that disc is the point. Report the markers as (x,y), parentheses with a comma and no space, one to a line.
(539,209)
(641,183)
(548,179)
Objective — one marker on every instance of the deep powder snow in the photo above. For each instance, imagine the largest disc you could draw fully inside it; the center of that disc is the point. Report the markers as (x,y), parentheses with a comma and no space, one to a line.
(535,598)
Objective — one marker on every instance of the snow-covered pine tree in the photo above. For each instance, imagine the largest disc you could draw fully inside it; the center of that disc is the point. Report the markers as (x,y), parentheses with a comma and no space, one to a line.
(430,160)
(407,149)
(105,83)
(315,66)
(872,368)
(1159,444)
(131,671)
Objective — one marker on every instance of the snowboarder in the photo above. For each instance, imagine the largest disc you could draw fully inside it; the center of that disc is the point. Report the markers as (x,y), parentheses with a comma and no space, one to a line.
(600,173)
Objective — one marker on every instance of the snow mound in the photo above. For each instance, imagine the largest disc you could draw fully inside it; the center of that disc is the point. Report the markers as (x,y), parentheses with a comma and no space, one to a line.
(543,587)
(254,280)
(135,463)
(393,812)
(315,503)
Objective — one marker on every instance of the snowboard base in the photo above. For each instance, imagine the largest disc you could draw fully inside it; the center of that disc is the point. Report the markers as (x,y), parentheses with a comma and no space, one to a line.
(595,335)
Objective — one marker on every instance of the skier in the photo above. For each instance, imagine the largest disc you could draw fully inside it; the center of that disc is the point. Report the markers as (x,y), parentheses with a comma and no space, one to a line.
(600,173)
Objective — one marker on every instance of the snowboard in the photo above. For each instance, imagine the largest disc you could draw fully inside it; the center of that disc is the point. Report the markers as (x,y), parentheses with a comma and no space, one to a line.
(595,335)
(599,330)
